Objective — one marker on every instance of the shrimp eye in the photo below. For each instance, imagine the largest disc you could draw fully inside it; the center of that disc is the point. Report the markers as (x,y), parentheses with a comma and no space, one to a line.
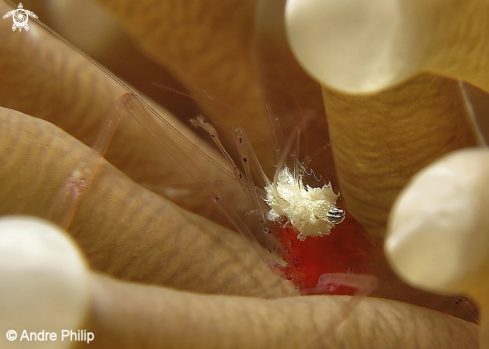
(336,215)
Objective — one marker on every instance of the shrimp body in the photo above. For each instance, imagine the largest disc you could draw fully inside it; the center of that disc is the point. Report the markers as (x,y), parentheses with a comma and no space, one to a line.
(314,235)
(311,211)
(347,249)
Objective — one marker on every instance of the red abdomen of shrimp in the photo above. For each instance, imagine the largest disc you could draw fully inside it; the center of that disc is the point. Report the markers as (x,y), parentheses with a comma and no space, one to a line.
(347,249)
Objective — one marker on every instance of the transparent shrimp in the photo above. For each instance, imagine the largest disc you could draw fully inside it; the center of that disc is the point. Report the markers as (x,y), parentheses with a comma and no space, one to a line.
(314,267)
(301,220)
(65,206)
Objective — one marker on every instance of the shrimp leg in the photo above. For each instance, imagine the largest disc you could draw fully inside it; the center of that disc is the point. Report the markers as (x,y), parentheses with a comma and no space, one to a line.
(64,207)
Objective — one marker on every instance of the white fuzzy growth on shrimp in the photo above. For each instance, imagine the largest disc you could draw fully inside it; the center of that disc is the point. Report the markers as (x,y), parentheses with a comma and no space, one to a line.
(311,211)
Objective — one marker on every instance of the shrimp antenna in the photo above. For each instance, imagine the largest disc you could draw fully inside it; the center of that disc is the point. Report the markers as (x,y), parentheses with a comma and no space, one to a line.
(276,129)
(245,150)
(312,173)
(203,95)
(199,121)
(365,284)
(321,149)
(468,307)
(294,137)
